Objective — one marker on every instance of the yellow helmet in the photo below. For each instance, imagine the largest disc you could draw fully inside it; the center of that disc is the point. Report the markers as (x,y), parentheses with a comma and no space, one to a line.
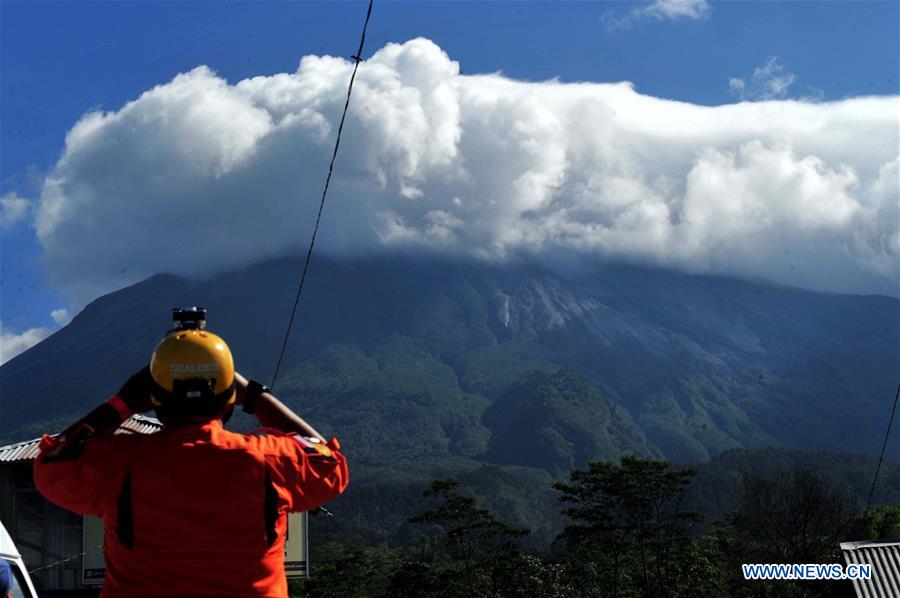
(193,374)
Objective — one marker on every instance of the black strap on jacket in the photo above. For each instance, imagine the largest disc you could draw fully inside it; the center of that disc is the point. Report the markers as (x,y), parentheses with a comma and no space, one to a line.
(270,510)
(125,515)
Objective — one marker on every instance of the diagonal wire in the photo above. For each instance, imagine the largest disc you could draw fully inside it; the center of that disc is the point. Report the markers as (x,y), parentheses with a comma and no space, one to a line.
(65,560)
(357,59)
(883,447)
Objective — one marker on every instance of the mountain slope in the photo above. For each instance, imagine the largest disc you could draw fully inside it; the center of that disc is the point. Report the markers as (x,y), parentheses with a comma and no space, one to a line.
(556,420)
(405,357)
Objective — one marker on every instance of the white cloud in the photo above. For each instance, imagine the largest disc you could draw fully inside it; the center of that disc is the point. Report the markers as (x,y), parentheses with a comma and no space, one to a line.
(13,209)
(61,316)
(772,81)
(199,175)
(11,344)
(661,10)
(678,9)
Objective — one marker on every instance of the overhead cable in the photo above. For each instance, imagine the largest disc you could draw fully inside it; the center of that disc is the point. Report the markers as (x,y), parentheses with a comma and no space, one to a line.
(887,435)
(357,58)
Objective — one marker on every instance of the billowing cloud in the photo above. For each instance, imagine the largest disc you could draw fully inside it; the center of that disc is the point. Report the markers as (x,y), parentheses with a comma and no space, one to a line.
(13,209)
(200,175)
(11,344)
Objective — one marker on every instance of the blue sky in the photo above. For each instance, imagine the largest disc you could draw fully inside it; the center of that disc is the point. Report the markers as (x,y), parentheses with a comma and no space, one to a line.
(61,60)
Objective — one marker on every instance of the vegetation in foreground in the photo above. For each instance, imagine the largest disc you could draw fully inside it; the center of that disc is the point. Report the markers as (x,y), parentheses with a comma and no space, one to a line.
(628,534)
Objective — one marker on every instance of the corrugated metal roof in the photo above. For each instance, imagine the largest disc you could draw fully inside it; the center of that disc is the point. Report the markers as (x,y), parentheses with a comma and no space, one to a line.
(28,450)
(140,424)
(884,556)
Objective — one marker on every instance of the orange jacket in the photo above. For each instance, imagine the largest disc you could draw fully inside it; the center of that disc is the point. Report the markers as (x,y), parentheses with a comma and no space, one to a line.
(194,510)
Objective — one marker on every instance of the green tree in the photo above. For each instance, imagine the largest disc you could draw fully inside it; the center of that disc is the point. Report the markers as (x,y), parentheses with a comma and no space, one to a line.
(791,516)
(878,523)
(361,572)
(471,537)
(629,530)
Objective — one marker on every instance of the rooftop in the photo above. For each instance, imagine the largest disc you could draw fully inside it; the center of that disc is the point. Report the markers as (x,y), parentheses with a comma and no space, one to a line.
(28,450)
(884,556)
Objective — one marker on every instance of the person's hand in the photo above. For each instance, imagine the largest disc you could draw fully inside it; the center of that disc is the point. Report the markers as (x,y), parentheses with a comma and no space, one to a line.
(104,419)
(135,393)
(71,442)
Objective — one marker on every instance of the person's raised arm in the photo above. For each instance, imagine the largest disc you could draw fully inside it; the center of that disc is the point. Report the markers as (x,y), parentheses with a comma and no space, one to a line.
(133,397)
(318,470)
(83,466)
(272,413)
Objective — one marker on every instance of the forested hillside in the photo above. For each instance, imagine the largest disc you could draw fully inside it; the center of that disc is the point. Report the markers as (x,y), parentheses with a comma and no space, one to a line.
(414,353)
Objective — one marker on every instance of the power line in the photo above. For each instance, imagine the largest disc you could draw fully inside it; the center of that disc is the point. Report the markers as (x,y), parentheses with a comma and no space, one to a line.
(65,560)
(883,447)
(357,59)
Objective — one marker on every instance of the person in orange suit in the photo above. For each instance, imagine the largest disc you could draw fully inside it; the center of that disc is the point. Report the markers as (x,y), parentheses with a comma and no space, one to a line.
(194,509)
